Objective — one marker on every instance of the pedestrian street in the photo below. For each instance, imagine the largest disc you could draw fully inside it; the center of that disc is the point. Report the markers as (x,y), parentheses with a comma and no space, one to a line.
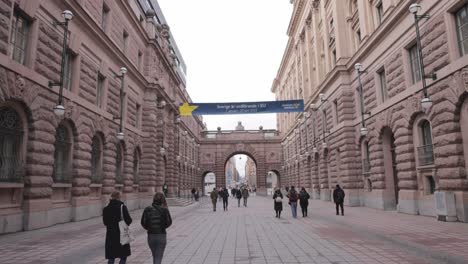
(253,235)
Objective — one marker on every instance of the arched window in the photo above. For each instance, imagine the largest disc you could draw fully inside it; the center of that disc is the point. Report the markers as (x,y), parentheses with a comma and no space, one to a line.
(96,159)
(136,166)
(119,163)
(10,143)
(425,150)
(62,155)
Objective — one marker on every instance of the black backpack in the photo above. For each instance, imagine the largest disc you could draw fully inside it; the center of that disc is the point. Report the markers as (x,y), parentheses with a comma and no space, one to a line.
(293,197)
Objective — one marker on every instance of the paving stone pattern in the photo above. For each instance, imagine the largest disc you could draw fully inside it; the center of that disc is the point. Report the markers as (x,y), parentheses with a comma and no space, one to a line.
(253,235)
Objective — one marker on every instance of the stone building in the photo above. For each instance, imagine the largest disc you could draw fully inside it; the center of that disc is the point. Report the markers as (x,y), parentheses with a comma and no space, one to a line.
(56,169)
(250,172)
(393,154)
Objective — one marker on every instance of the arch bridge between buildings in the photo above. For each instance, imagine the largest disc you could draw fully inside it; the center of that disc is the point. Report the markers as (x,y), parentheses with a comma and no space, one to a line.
(263,146)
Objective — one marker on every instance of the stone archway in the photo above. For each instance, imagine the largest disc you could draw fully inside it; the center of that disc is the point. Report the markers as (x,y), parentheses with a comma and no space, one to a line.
(218,146)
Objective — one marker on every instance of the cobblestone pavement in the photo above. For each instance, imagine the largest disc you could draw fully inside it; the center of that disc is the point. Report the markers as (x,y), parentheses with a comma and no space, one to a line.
(253,235)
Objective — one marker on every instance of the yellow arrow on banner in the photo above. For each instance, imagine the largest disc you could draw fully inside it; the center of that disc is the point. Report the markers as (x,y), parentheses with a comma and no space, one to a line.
(186,109)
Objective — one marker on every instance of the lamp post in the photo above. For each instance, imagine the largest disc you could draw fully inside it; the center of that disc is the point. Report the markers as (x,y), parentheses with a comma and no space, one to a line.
(121,76)
(364,130)
(67,15)
(426,102)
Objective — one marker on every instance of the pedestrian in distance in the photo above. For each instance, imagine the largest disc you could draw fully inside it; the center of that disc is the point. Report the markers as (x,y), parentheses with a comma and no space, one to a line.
(304,201)
(293,197)
(245,195)
(197,195)
(338,198)
(238,196)
(214,198)
(112,214)
(193,193)
(233,192)
(278,202)
(225,195)
(156,219)
(220,193)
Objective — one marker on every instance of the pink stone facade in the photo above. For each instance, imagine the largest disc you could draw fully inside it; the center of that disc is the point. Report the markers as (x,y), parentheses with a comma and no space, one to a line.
(156,141)
(411,160)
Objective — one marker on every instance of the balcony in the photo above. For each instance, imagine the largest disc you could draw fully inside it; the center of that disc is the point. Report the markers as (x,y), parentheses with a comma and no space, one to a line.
(366,166)
(426,155)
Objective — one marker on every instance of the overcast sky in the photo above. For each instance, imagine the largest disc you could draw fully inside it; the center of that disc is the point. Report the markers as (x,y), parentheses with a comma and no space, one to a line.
(232,49)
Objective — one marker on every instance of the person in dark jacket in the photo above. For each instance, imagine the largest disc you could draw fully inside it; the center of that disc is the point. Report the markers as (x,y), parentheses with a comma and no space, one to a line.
(304,201)
(245,195)
(278,200)
(111,216)
(214,198)
(225,195)
(238,196)
(338,198)
(233,192)
(156,219)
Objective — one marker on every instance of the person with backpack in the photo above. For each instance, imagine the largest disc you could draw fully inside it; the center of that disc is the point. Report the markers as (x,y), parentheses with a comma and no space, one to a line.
(214,198)
(238,196)
(304,201)
(278,201)
(156,219)
(293,197)
(338,198)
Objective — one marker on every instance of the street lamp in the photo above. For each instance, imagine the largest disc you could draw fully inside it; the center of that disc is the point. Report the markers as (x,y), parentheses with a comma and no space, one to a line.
(414,9)
(364,130)
(67,15)
(121,76)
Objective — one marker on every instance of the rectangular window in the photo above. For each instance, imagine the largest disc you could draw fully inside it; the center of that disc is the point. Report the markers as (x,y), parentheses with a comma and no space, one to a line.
(105,15)
(140,60)
(334,57)
(335,106)
(124,40)
(19,38)
(67,70)
(383,86)
(380,12)
(99,88)
(414,61)
(462,29)
(138,116)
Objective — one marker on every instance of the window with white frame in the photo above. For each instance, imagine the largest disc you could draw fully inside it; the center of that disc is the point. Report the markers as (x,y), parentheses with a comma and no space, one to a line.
(19,37)
(414,63)
(462,29)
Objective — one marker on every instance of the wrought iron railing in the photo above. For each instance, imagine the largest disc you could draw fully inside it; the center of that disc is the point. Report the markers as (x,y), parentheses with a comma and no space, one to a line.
(426,155)
(366,165)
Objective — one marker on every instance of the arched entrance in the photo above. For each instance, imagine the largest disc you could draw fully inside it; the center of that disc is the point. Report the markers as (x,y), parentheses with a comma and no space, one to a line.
(240,170)
(272,182)
(209,182)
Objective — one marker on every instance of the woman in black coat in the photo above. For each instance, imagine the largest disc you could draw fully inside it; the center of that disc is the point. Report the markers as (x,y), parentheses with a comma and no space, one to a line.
(278,200)
(111,217)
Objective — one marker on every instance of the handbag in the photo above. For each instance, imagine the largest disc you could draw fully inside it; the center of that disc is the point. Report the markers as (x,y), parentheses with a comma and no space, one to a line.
(125,235)
(278,199)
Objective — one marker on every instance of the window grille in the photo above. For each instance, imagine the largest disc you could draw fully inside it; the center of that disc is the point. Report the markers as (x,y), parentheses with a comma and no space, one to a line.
(61,171)
(10,143)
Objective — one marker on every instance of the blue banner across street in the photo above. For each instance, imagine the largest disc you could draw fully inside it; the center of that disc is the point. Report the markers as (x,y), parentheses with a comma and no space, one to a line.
(241,108)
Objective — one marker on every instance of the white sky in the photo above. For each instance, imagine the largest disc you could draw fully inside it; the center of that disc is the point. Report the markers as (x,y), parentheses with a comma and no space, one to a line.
(233,49)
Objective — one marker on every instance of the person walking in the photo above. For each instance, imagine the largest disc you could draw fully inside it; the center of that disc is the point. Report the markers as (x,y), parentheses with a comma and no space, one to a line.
(112,214)
(225,195)
(156,219)
(233,192)
(220,193)
(245,195)
(293,197)
(304,201)
(278,202)
(238,196)
(338,198)
(214,198)
(193,193)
